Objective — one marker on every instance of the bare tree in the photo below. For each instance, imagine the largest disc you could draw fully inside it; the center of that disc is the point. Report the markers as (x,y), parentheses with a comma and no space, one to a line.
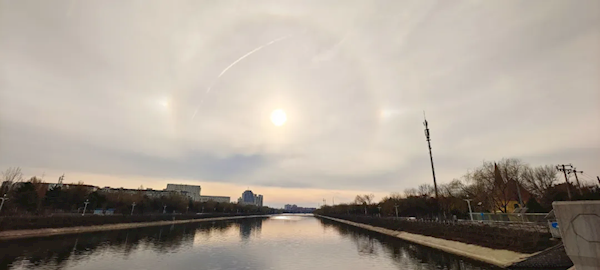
(12,175)
(425,190)
(410,192)
(364,199)
(453,189)
(539,179)
(492,179)
(9,177)
(369,198)
(395,196)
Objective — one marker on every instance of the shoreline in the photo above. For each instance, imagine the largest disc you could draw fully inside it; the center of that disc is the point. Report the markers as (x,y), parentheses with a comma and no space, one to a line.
(22,234)
(498,257)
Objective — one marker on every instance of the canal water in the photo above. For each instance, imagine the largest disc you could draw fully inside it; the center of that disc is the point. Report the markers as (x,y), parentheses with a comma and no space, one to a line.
(278,242)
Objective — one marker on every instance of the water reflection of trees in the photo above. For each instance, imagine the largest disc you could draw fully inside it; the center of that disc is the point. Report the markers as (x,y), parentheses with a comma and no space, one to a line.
(56,251)
(402,252)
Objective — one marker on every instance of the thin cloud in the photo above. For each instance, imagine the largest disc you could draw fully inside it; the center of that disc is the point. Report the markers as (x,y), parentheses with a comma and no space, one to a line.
(107,89)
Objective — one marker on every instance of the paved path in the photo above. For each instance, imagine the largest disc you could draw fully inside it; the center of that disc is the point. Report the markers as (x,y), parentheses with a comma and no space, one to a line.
(18,234)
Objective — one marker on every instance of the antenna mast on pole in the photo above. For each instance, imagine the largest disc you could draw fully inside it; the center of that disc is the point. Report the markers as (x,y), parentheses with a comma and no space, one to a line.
(430,155)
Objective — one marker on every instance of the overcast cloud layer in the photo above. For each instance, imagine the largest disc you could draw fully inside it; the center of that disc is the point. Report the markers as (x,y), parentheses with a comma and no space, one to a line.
(184,89)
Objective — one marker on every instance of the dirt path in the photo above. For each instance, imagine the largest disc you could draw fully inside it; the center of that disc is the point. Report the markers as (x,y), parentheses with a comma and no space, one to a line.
(19,234)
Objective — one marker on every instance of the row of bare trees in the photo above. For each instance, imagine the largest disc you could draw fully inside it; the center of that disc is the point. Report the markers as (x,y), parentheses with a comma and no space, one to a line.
(491,187)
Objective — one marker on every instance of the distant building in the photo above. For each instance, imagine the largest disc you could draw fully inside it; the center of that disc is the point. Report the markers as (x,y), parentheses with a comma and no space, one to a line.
(292,208)
(248,197)
(192,191)
(258,200)
(219,199)
(152,193)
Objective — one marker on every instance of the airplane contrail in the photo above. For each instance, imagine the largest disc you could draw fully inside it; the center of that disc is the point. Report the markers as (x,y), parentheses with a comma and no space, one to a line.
(235,62)
(244,56)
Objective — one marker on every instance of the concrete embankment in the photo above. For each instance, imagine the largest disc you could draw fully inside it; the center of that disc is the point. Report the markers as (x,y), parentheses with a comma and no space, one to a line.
(501,258)
(18,234)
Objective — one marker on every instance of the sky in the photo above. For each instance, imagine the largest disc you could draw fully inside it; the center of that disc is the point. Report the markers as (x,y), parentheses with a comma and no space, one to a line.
(145,93)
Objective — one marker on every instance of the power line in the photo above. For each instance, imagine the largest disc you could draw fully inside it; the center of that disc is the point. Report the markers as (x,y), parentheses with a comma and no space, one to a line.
(594,178)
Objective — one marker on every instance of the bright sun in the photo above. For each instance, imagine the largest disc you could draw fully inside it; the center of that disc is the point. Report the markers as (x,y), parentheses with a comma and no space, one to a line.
(278,117)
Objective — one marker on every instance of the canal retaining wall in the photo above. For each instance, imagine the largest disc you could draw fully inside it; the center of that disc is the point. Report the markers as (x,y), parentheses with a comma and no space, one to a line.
(19,234)
(498,257)
(522,238)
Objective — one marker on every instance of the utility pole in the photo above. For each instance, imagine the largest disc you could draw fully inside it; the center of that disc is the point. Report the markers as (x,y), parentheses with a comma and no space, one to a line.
(574,171)
(565,170)
(427,136)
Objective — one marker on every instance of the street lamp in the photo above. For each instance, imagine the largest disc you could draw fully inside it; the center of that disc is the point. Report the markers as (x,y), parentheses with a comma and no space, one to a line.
(470,211)
(3,199)
(132,207)
(85,207)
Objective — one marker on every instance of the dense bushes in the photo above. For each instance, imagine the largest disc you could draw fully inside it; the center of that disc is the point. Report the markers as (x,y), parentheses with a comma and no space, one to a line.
(520,240)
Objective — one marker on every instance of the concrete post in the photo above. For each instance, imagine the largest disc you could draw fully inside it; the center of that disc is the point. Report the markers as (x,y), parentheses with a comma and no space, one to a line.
(579,224)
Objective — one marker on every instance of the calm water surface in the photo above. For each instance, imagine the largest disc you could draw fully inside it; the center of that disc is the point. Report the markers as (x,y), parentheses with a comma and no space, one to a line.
(279,242)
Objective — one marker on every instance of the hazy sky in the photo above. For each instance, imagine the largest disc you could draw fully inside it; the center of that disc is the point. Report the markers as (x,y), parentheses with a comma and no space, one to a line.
(130,93)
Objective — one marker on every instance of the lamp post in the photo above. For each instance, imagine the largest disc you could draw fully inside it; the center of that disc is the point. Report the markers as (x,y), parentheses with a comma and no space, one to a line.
(85,207)
(470,211)
(132,207)
(3,199)
(396,206)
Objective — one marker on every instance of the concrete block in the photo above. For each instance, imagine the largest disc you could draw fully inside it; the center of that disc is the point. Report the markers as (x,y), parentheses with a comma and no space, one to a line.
(579,224)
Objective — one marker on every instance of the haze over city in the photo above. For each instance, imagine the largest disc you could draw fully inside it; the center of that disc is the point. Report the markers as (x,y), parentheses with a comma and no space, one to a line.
(291,100)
